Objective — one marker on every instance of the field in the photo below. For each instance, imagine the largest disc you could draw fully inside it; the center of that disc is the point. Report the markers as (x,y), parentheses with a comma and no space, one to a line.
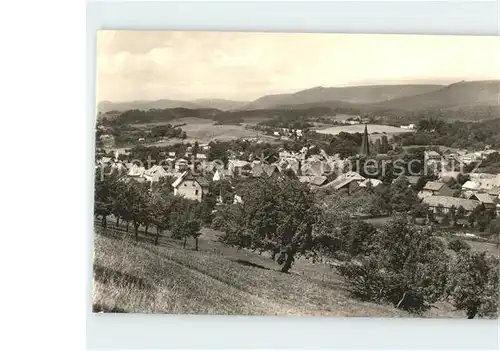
(140,277)
(359,128)
(205,130)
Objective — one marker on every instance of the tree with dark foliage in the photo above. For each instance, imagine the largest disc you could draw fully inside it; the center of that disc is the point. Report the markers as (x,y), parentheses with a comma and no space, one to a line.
(474,283)
(405,266)
(276,215)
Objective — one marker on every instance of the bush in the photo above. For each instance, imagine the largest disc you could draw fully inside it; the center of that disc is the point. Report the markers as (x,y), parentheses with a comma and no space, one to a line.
(458,245)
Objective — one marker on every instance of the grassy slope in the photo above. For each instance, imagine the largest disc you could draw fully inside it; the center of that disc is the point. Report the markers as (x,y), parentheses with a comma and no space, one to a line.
(130,277)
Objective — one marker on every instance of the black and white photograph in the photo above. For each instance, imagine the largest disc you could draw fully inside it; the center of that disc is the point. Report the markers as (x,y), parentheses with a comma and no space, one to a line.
(296,174)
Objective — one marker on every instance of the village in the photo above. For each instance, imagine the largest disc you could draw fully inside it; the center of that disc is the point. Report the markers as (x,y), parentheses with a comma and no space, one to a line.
(193,172)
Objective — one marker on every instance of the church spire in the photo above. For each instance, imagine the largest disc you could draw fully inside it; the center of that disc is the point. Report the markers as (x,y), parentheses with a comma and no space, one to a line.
(365,144)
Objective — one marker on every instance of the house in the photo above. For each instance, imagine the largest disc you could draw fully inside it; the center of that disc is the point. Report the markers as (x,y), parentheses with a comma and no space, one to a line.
(314,181)
(181,164)
(236,166)
(201,157)
(312,167)
(469,158)
(107,140)
(259,169)
(483,198)
(220,174)
(431,157)
(486,180)
(435,189)
(470,186)
(290,163)
(494,192)
(190,187)
(349,181)
(136,171)
(105,160)
(413,180)
(442,204)
(373,182)
(154,173)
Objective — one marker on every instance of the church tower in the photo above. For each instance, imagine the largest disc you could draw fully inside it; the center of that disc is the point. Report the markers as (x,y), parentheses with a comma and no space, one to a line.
(365,143)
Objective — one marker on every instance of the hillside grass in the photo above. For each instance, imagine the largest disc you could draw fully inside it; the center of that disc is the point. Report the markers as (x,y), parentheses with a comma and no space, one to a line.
(140,277)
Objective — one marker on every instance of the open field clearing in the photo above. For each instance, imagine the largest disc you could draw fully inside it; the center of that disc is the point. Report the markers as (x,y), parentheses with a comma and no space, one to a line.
(205,130)
(140,277)
(359,128)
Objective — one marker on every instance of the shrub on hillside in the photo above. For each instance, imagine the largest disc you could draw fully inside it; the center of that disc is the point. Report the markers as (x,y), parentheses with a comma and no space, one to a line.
(458,245)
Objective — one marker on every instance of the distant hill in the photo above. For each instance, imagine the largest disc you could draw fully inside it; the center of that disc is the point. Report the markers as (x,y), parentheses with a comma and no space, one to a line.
(454,96)
(352,95)
(106,106)
(220,104)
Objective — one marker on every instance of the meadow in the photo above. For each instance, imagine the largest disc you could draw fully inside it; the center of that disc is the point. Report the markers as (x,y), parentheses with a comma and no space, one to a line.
(205,130)
(140,277)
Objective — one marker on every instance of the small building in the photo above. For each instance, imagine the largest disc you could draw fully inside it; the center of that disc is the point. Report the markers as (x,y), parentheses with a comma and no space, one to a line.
(136,171)
(107,140)
(221,174)
(190,187)
(259,170)
(314,181)
(236,166)
(370,181)
(485,199)
(435,189)
(470,186)
(181,164)
(349,181)
(494,192)
(413,180)
(442,204)
(154,173)
(201,157)
(431,157)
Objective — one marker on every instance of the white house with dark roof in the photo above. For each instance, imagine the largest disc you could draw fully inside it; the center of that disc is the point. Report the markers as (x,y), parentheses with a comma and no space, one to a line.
(190,187)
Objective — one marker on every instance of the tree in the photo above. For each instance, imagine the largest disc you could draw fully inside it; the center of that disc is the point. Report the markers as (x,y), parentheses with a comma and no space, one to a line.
(276,216)
(186,226)
(405,265)
(403,198)
(494,229)
(385,147)
(105,192)
(445,221)
(461,212)
(453,215)
(462,178)
(134,205)
(196,148)
(474,283)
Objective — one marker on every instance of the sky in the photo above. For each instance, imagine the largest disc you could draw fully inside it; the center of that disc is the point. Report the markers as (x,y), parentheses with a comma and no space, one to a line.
(151,65)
